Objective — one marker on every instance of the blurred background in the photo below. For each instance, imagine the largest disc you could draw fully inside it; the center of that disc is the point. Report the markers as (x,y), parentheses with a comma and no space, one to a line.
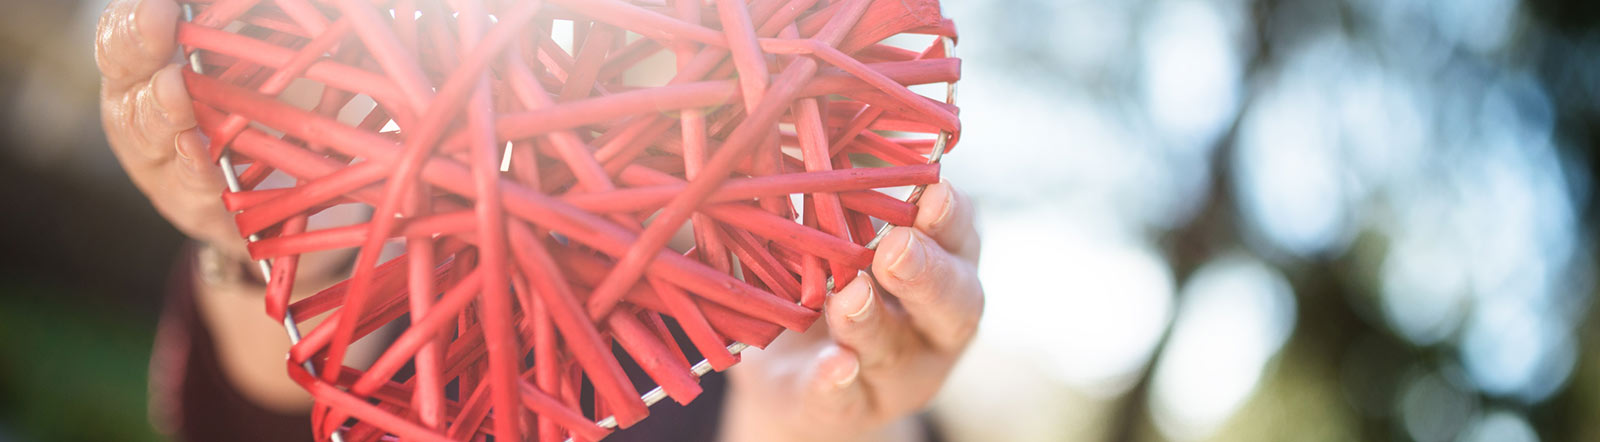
(1233,220)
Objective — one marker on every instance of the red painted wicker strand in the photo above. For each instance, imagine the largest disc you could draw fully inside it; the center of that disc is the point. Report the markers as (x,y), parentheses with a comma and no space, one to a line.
(535,189)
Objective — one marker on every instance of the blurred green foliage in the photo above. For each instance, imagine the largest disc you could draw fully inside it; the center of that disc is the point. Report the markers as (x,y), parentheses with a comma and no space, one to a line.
(71,372)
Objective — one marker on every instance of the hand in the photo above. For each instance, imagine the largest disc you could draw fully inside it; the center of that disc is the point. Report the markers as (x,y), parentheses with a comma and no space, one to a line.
(885,348)
(150,122)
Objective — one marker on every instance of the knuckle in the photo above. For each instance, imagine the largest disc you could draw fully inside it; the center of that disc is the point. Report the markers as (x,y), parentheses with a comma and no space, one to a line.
(147,106)
(109,15)
(848,412)
(114,114)
(111,29)
(109,65)
(147,130)
(892,355)
(140,114)
(121,127)
(916,292)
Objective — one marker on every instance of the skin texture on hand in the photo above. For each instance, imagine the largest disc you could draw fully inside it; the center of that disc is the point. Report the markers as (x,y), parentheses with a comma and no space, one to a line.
(888,343)
(150,122)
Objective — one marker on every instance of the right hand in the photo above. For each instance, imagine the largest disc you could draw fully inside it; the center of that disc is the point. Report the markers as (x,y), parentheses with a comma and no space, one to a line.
(149,121)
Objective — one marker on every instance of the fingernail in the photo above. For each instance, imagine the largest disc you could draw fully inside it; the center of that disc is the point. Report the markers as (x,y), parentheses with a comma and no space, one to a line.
(866,306)
(177,146)
(850,376)
(186,144)
(912,261)
(164,87)
(949,204)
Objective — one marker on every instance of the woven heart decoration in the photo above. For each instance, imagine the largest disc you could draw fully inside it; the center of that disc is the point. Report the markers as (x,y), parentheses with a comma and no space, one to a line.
(533,160)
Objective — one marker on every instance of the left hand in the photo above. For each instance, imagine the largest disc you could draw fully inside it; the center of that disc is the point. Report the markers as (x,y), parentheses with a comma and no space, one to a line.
(884,349)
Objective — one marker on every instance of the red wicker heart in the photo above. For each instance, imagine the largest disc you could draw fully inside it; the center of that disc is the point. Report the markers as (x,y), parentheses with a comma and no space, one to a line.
(535,189)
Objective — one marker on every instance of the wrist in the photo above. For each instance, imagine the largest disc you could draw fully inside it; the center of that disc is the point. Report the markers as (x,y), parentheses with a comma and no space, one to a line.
(218,268)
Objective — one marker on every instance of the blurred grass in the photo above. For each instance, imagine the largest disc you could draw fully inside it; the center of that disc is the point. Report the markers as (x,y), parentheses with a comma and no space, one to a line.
(71,372)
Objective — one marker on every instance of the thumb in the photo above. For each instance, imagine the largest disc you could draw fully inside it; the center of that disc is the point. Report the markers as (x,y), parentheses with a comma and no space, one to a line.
(834,390)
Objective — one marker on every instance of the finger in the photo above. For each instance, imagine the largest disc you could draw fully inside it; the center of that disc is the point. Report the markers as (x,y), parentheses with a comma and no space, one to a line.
(147,121)
(194,171)
(833,391)
(940,292)
(875,330)
(947,215)
(134,39)
(192,197)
